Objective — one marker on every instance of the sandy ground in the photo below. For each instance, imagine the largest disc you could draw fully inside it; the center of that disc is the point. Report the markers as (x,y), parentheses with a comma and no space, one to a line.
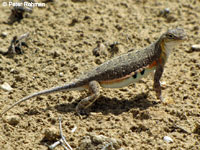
(62,37)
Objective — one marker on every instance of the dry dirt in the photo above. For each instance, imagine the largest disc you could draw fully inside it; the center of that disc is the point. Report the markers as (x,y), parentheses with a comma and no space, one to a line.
(62,37)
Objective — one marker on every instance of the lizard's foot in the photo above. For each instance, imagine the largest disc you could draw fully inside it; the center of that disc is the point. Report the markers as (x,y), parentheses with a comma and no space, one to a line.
(86,102)
(80,111)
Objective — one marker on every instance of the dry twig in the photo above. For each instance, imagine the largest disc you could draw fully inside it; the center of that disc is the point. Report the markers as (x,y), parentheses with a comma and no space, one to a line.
(62,141)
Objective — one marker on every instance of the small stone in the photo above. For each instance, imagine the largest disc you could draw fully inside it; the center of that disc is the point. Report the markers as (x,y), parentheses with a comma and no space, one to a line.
(12,120)
(113,48)
(61,74)
(196,47)
(98,139)
(85,143)
(197,129)
(102,47)
(98,61)
(108,146)
(163,84)
(74,129)
(164,12)
(51,134)
(93,141)
(55,54)
(167,101)
(167,139)
(95,51)
(5,86)
(12,70)
(99,50)
(4,34)
(185,96)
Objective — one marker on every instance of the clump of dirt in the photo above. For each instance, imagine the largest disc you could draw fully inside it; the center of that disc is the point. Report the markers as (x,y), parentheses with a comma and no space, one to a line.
(68,38)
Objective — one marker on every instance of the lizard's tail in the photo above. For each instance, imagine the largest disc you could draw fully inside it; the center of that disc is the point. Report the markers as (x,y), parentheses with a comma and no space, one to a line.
(67,87)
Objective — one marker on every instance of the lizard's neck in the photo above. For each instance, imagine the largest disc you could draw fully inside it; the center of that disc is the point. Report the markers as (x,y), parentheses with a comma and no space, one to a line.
(166,48)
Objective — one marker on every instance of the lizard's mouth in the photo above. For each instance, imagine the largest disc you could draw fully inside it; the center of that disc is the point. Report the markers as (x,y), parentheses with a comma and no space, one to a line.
(183,38)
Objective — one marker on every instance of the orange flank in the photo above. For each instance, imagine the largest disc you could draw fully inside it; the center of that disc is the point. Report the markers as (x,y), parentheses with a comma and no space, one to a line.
(117,80)
(86,86)
(154,63)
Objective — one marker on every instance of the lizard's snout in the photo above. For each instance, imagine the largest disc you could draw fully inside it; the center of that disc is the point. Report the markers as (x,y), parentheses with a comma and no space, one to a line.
(184,37)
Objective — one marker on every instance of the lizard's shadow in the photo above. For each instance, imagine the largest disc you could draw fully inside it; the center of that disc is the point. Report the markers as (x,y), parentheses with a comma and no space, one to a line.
(113,105)
(107,105)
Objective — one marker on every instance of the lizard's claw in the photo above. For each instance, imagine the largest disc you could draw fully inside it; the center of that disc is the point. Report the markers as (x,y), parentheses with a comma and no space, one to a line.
(80,112)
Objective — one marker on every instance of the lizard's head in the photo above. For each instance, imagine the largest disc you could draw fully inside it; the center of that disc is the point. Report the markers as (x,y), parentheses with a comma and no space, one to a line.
(170,39)
(174,37)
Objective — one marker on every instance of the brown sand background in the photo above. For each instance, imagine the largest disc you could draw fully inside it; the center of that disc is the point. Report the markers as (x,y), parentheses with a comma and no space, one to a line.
(62,38)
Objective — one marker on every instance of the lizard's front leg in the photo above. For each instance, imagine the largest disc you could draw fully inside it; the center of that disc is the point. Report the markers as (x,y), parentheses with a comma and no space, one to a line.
(157,86)
(94,88)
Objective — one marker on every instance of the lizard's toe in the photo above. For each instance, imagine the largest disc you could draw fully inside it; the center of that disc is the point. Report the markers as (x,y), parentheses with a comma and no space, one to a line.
(80,111)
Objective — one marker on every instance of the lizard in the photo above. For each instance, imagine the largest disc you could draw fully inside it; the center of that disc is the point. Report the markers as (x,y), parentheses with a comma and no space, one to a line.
(122,70)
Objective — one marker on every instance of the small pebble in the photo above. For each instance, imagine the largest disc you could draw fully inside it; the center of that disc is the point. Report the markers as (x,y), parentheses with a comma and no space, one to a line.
(168,139)
(12,120)
(74,129)
(99,50)
(5,86)
(168,101)
(164,12)
(108,146)
(4,34)
(61,74)
(196,47)
(94,141)
(12,70)
(163,84)
(167,10)
(51,134)
(102,47)
(96,51)
(197,128)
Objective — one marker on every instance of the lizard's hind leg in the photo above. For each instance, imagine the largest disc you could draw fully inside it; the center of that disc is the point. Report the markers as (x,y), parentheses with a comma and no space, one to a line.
(94,88)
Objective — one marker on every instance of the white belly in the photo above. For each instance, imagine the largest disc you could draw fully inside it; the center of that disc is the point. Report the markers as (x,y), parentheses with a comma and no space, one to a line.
(127,81)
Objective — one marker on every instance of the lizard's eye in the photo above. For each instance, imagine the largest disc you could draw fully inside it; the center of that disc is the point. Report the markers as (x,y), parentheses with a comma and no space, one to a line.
(170,36)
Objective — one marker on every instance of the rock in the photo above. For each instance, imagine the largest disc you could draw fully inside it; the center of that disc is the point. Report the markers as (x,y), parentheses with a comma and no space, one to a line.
(195,47)
(12,120)
(163,84)
(164,12)
(61,74)
(85,143)
(51,134)
(93,141)
(5,86)
(197,129)
(167,139)
(74,129)
(113,47)
(4,34)
(99,50)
